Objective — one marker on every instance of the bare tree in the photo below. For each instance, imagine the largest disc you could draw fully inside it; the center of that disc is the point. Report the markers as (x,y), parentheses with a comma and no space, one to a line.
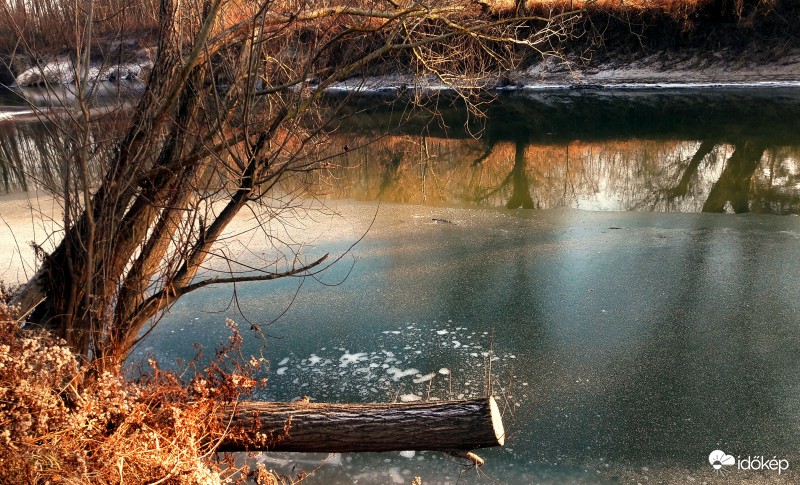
(232,111)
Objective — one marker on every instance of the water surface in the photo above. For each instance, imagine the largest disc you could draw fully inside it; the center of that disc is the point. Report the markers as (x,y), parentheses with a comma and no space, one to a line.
(576,261)
(622,344)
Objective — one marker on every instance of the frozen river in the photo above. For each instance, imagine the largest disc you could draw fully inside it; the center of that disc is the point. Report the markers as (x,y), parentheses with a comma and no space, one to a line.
(621,344)
(644,314)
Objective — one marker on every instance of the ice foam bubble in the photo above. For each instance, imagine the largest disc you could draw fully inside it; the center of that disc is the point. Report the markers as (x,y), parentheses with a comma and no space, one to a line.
(424,378)
(398,374)
(349,358)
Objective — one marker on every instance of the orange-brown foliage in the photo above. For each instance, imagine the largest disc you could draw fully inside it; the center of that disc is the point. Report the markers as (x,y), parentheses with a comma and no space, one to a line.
(61,423)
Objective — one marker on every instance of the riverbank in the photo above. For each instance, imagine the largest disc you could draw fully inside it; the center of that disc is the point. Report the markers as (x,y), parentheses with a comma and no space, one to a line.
(694,68)
(689,69)
(630,45)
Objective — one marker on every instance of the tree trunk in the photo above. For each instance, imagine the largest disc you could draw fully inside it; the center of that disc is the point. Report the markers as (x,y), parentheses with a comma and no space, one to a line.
(450,426)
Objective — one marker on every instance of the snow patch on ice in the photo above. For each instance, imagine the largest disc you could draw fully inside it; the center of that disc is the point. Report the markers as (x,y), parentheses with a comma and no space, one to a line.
(394,474)
(424,378)
(349,358)
(398,374)
(4,115)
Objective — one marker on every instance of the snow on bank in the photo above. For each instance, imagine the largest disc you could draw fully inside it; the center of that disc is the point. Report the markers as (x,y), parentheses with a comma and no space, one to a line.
(654,86)
(59,71)
(62,71)
(690,70)
(375,86)
(11,114)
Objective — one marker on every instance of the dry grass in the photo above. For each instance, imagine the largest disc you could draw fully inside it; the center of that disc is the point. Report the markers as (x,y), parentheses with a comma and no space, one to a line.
(61,423)
(41,22)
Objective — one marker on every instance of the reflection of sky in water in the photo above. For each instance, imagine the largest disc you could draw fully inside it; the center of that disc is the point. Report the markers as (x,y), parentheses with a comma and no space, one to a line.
(637,177)
(622,341)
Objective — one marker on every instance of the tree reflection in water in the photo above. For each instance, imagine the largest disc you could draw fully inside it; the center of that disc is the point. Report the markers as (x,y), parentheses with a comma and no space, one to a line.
(630,151)
(649,175)
(647,152)
(733,185)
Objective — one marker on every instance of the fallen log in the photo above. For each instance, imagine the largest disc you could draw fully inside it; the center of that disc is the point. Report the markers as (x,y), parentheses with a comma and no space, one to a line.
(451,426)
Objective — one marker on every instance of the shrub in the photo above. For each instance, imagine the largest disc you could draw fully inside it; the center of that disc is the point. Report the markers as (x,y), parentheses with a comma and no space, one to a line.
(63,423)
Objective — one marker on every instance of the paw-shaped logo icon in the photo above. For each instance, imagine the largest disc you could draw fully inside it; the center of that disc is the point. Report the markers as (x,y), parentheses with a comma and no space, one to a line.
(718,459)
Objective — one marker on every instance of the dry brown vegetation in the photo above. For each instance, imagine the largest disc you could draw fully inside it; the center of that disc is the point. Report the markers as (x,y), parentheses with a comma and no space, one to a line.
(63,423)
(38,24)
(33,32)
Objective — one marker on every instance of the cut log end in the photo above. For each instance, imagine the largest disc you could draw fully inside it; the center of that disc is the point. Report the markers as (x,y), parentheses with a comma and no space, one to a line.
(497,422)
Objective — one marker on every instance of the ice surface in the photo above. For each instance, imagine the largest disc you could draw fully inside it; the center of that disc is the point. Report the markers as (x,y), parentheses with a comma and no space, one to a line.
(390,366)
